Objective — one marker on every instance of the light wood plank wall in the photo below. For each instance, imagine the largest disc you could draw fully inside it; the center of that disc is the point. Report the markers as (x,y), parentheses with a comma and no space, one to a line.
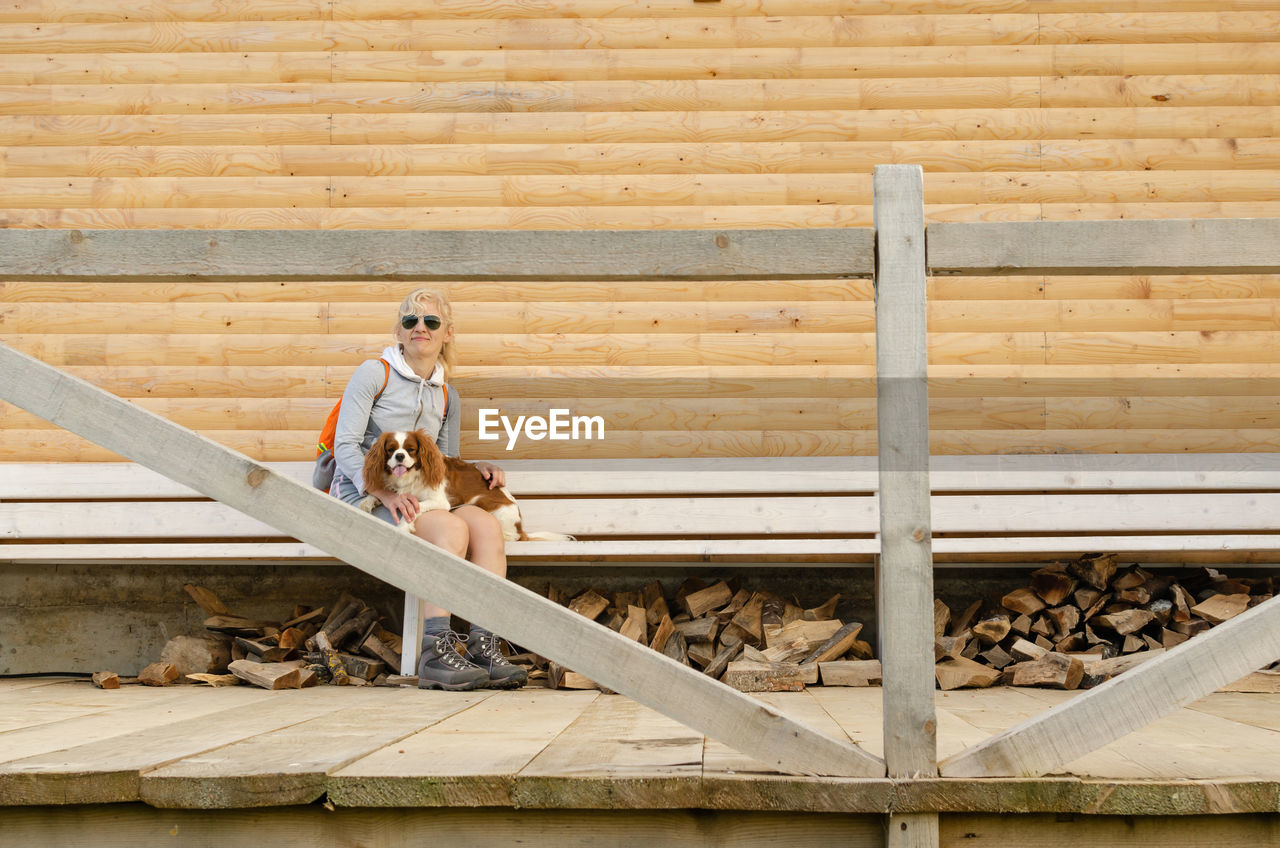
(621,114)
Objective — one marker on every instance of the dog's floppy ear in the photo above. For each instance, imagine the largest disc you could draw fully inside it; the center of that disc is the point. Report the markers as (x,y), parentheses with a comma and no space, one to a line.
(375,462)
(430,460)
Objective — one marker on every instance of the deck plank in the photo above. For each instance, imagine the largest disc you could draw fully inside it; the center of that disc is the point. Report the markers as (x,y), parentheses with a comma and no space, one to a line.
(1255,708)
(615,752)
(995,710)
(468,759)
(135,708)
(109,771)
(1186,744)
(719,759)
(858,713)
(290,765)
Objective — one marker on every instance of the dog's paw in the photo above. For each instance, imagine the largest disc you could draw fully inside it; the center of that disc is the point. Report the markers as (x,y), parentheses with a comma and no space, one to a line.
(369,504)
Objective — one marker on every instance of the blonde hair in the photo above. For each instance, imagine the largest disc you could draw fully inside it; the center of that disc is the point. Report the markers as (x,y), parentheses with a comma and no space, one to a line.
(419,302)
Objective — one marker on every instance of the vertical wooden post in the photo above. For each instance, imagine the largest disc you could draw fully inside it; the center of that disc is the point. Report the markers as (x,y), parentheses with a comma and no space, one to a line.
(904,578)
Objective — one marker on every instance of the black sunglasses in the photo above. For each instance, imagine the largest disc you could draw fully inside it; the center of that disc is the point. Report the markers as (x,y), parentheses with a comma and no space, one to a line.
(410,321)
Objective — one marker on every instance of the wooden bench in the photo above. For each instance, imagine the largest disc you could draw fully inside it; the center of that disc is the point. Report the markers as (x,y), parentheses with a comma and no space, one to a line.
(1157,508)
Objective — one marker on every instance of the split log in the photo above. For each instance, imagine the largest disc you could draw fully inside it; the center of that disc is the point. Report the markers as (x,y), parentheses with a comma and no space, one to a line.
(635,627)
(106,680)
(158,674)
(997,657)
(1022,601)
(961,624)
(837,645)
(1100,671)
(1095,570)
(992,630)
(655,611)
(793,651)
(941,617)
(1053,584)
(950,646)
(1126,622)
(747,625)
(677,648)
(1064,618)
(215,680)
(699,629)
(824,611)
(812,632)
(748,676)
(1220,608)
(589,604)
(288,675)
(662,633)
(1057,671)
(201,654)
(1024,650)
(850,673)
(234,625)
(699,603)
(701,653)
(962,673)
(723,657)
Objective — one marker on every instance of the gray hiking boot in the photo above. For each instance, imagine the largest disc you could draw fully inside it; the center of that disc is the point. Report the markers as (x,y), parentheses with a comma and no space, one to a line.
(485,652)
(442,667)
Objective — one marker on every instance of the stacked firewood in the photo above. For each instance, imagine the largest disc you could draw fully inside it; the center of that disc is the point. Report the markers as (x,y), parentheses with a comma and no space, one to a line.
(1080,623)
(755,641)
(344,644)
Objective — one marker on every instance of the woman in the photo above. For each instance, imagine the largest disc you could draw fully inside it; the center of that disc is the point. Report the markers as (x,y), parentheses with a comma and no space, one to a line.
(414,399)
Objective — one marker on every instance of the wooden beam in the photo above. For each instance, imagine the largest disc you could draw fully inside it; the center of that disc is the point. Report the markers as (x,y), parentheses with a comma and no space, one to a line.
(904,571)
(421,569)
(1128,702)
(1210,246)
(182,255)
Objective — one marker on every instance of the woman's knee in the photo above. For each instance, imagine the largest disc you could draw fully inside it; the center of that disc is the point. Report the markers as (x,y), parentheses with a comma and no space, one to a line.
(444,530)
(485,529)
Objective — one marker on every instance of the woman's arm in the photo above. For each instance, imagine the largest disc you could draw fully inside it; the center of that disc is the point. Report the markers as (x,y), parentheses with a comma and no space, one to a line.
(353,420)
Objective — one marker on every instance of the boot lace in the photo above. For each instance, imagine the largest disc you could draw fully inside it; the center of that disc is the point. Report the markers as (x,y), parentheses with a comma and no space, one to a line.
(446,647)
(490,651)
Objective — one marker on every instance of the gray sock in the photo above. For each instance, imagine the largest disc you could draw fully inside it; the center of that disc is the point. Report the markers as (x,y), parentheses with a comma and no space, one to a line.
(433,627)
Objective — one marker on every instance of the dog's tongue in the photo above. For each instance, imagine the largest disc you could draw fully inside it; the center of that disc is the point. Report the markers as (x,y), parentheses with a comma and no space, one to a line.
(399,470)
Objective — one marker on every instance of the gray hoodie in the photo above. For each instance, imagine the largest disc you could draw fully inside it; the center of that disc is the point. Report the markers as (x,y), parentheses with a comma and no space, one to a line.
(408,403)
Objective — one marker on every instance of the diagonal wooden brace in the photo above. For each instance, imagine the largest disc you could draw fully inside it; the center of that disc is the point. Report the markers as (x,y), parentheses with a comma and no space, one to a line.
(1126,703)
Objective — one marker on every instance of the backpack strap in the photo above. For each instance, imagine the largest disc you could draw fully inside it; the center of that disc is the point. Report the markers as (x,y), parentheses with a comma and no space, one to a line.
(386,376)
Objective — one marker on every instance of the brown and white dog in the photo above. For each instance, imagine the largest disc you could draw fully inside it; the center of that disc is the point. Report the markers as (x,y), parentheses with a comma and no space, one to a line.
(410,463)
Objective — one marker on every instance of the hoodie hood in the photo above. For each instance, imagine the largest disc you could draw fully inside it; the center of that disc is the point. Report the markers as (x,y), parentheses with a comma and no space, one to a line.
(395,356)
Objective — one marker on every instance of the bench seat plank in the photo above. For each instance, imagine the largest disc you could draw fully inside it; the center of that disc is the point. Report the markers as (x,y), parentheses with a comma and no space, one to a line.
(833,475)
(839,516)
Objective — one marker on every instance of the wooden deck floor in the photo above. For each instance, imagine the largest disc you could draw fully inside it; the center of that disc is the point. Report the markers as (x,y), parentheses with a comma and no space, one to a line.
(65,742)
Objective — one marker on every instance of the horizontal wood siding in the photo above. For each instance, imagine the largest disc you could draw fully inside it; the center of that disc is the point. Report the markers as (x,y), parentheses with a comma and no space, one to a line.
(641,115)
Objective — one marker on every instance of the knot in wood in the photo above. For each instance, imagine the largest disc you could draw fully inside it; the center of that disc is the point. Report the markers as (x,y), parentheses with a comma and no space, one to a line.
(917,535)
(722,241)
(76,236)
(256,476)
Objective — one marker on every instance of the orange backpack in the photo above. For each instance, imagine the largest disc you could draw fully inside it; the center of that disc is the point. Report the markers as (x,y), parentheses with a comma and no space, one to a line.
(322,477)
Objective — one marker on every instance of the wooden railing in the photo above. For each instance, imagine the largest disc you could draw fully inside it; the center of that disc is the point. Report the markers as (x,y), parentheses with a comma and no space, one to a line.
(900,254)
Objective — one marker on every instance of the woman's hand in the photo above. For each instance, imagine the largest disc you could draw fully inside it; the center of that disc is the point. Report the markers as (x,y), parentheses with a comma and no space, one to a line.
(402,504)
(495,475)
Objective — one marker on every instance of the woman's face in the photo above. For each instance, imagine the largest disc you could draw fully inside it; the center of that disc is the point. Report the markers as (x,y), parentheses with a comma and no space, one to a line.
(420,341)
